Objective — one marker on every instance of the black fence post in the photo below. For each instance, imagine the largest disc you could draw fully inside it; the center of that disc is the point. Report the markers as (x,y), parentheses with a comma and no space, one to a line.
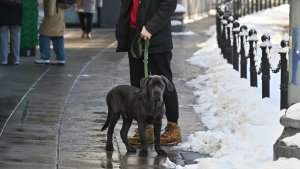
(284,75)
(229,42)
(252,43)
(265,67)
(219,17)
(243,36)
(244,7)
(235,30)
(247,7)
(239,4)
(224,23)
(236,9)
(252,6)
(266,2)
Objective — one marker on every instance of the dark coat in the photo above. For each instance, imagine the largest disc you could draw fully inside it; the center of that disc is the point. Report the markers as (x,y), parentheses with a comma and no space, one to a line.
(155,15)
(11,15)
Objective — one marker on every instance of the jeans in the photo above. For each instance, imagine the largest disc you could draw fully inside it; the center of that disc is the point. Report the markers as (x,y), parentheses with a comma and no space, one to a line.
(14,53)
(58,47)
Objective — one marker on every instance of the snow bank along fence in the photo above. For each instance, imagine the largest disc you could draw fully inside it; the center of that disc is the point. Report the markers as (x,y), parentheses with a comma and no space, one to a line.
(237,43)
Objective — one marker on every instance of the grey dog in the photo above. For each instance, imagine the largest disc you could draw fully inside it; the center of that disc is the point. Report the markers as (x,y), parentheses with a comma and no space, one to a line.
(145,105)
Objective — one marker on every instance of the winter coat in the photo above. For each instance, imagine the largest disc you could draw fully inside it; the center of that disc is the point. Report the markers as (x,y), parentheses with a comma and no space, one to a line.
(88,6)
(11,15)
(155,16)
(53,25)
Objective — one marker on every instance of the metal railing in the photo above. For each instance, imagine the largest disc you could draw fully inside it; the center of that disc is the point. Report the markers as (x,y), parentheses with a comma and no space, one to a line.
(238,44)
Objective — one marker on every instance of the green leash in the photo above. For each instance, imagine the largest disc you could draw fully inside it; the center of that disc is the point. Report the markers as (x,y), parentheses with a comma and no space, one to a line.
(138,40)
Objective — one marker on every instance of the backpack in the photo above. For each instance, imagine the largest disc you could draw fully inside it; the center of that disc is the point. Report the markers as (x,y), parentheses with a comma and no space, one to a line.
(64,4)
(11,2)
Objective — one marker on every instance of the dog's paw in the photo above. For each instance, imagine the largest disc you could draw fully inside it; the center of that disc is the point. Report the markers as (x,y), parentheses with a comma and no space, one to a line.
(131,149)
(162,152)
(143,154)
(109,148)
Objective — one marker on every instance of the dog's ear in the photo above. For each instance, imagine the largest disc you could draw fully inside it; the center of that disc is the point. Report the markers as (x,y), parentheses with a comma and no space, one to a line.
(144,86)
(170,87)
(144,82)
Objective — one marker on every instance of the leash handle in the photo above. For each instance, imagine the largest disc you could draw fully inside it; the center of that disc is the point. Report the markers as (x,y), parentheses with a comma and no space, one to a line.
(138,39)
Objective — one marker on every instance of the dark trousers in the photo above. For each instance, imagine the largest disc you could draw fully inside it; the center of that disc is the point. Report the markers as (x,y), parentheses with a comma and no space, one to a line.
(158,64)
(85,20)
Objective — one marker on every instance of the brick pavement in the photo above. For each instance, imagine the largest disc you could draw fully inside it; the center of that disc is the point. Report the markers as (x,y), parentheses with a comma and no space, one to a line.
(51,116)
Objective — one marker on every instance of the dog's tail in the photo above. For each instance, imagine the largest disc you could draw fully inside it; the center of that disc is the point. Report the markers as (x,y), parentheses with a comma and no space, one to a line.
(106,124)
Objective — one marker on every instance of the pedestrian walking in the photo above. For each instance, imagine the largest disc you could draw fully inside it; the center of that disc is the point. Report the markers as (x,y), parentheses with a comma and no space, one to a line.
(151,20)
(11,20)
(86,10)
(52,29)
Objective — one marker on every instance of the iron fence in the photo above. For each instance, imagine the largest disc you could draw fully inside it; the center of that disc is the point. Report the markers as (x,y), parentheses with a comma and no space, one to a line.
(238,44)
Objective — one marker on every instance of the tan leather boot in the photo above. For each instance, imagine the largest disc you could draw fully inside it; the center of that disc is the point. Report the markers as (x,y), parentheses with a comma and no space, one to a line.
(135,140)
(172,134)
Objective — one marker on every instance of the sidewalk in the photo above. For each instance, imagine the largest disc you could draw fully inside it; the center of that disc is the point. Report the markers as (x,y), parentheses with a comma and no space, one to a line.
(51,116)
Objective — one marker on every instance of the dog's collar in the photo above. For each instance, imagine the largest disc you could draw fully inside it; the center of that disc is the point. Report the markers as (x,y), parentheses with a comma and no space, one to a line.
(150,111)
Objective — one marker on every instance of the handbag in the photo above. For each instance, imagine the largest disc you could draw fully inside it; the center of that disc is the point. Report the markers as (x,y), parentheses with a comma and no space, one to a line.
(11,2)
(65,4)
(79,3)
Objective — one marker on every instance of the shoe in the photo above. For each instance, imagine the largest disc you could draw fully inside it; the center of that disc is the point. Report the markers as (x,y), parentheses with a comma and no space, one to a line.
(58,62)
(15,63)
(88,36)
(172,134)
(135,140)
(3,63)
(42,61)
(83,35)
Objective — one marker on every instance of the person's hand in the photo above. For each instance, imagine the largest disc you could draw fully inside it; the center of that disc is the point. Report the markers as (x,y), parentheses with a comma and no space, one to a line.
(145,34)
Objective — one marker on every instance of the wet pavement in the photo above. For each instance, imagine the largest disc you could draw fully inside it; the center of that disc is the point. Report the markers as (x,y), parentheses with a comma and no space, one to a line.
(51,116)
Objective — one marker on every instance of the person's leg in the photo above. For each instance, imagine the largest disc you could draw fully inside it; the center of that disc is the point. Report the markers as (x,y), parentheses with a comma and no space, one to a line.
(15,33)
(3,44)
(160,64)
(136,68)
(136,65)
(44,43)
(89,18)
(59,49)
(81,17)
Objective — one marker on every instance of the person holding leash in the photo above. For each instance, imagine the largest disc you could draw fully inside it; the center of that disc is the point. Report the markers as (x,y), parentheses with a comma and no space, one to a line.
(151,20)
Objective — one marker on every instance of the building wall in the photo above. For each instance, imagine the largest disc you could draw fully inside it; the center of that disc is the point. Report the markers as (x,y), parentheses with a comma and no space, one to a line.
(195,8)
(109,13)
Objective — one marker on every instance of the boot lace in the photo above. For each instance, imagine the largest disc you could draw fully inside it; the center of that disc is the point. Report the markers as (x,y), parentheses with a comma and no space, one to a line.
(137,133)
(168,131)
